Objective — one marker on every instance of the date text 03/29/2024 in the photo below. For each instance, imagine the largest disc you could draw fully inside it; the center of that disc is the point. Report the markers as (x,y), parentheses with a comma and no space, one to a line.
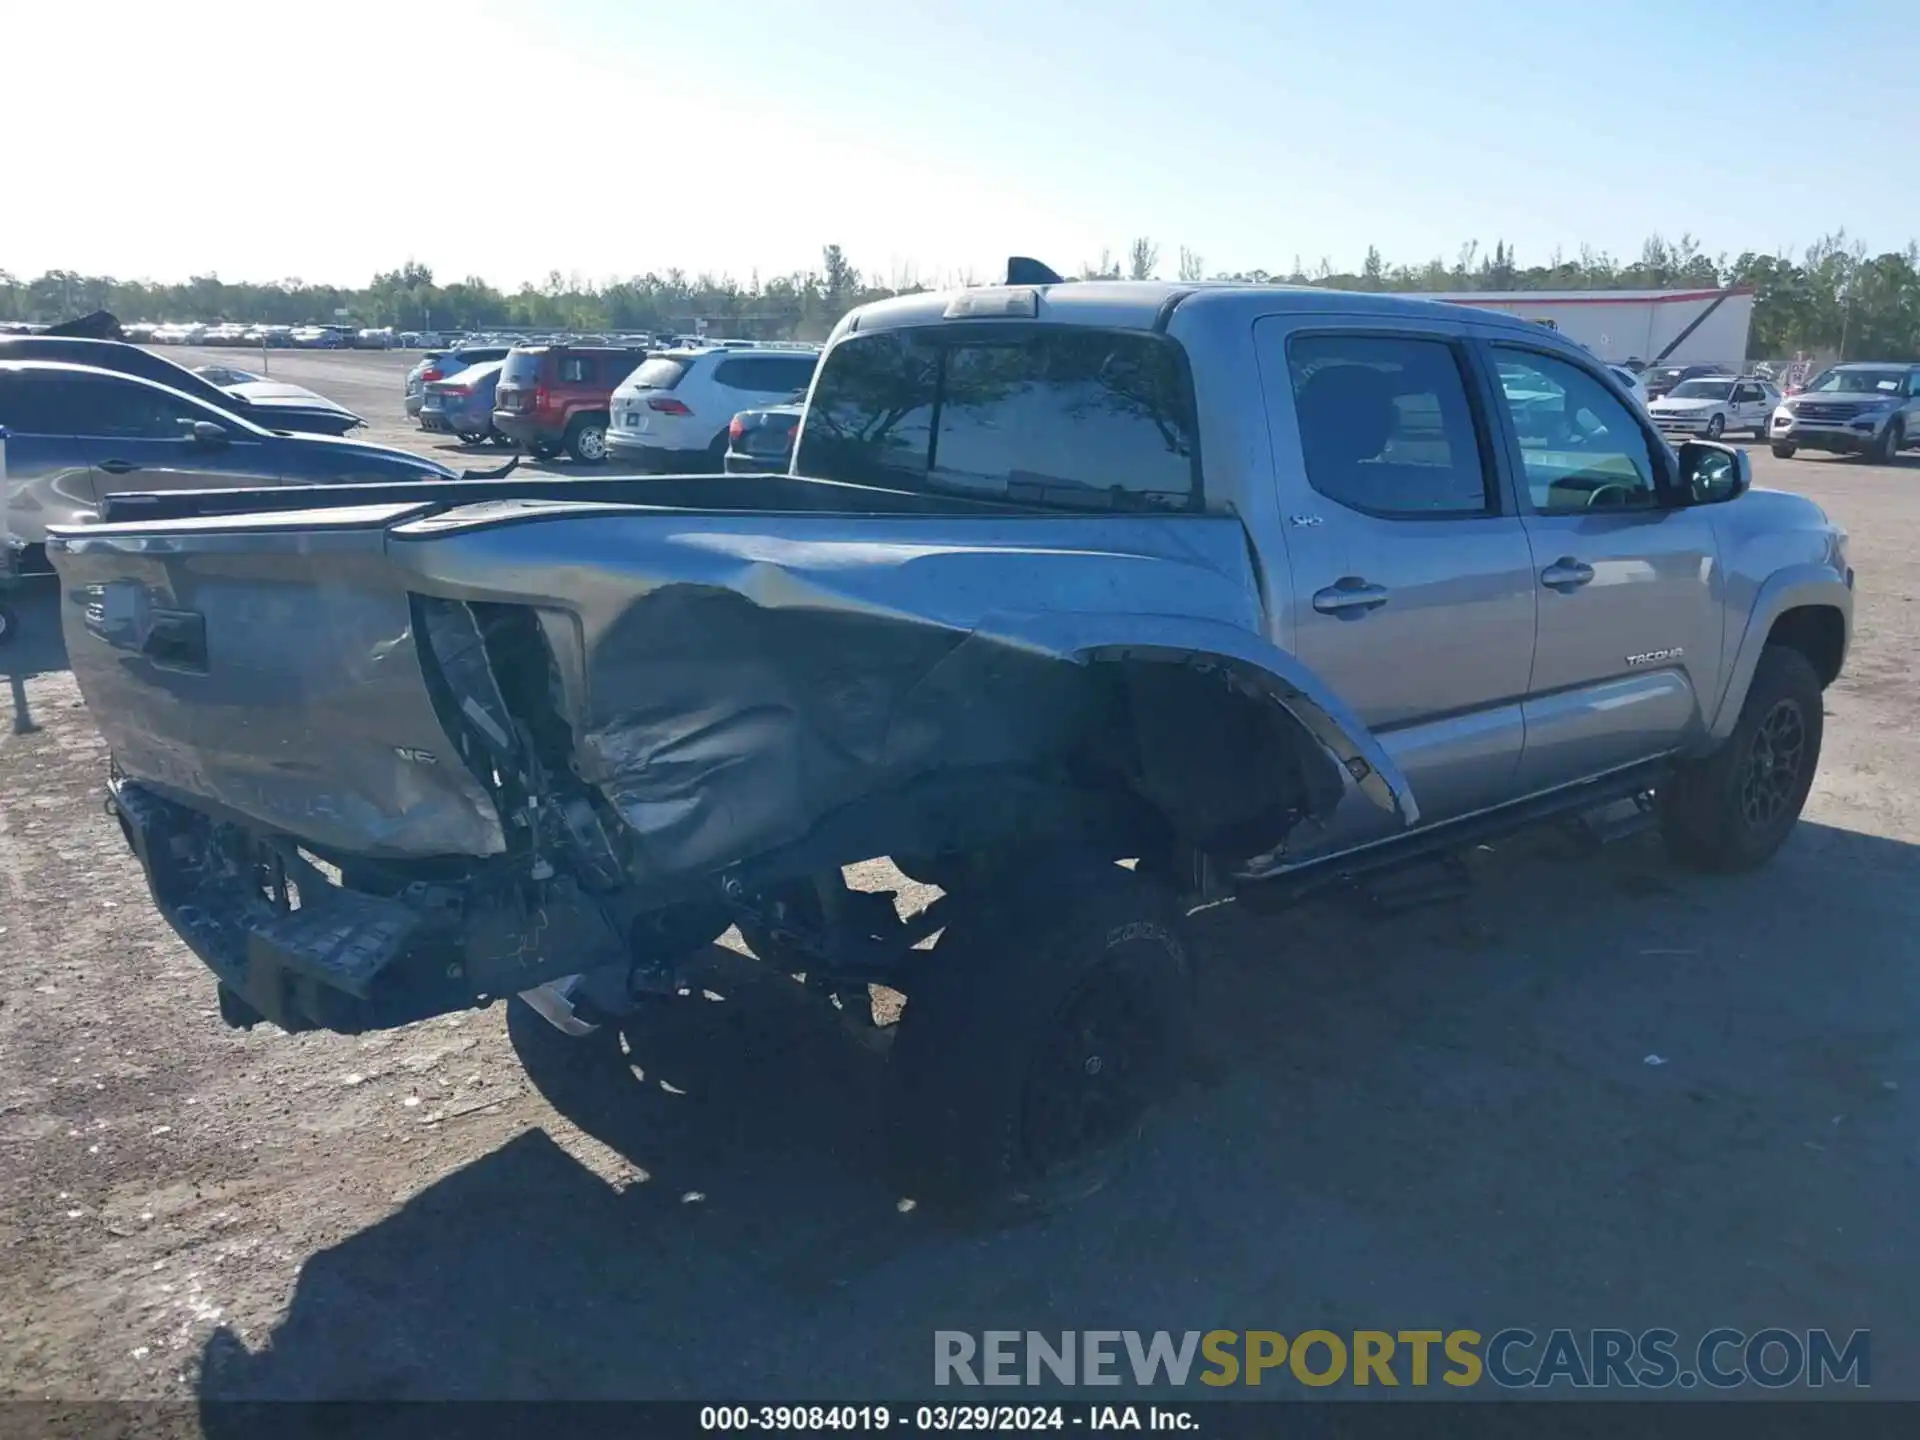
(938,1419)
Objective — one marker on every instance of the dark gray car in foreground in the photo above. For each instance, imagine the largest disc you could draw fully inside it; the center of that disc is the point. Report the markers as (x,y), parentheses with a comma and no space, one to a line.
(76,435)
(1085,603)
(300,413)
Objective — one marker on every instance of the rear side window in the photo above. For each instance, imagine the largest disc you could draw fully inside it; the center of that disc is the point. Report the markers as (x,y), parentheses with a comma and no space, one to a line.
(1091,419)
(577,369)
(1385,425)
(766,374)
(658,375)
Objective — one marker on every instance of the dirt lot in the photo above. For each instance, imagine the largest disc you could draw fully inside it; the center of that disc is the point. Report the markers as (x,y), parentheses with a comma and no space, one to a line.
(1593,1093)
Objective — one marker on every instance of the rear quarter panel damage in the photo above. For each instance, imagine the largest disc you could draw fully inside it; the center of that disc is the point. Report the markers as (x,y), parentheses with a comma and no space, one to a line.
(728,681)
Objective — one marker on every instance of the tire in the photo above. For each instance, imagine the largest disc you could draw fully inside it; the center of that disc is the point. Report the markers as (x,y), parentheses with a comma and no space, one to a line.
(801,904)
(9,626)
(586,439)
(473,437)
(994,1111)
(717,455)
(1716,426)
(1890,443)
(541,450)
(1784,452)
(1731,810)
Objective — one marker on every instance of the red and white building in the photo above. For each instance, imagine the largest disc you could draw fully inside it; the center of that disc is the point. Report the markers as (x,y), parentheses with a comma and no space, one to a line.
(1672,327)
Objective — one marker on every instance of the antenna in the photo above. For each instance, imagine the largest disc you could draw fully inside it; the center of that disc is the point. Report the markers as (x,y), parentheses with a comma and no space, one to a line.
(1024,270)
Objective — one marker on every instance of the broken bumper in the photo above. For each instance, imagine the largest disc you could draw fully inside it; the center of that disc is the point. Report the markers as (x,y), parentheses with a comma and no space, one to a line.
(290,943)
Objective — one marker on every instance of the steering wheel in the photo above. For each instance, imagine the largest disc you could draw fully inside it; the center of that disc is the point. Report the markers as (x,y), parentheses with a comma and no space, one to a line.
(1614,487)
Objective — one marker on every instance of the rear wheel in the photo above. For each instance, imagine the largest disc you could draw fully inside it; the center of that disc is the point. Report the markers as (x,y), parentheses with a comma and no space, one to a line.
(1036,1036)
(587,439)
(717,454)
(1784,452)
(473,437)
(542,450)
(1733,809)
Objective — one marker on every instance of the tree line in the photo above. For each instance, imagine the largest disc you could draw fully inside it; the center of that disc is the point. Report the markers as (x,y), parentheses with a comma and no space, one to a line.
(1832,299)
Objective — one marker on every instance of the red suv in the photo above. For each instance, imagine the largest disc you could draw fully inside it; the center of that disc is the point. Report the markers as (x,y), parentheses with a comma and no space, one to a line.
(554,397)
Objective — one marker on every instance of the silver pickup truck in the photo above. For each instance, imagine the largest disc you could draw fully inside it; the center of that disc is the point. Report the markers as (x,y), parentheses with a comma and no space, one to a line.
(1086,602)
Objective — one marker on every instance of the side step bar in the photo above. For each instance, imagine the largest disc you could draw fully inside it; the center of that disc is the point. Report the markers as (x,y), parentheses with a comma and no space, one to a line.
(1276,891)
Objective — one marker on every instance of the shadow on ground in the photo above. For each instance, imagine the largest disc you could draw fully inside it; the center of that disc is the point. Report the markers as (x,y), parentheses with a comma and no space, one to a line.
(37,647)
(1592,1093)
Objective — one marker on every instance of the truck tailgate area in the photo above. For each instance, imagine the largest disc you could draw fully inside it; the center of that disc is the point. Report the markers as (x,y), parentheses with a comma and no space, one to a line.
(269,667)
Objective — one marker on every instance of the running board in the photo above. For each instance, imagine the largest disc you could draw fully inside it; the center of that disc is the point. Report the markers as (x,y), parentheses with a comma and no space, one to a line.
(1275,892)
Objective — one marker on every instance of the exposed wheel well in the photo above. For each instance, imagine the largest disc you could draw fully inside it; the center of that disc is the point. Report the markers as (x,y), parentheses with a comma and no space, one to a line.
(1817,632)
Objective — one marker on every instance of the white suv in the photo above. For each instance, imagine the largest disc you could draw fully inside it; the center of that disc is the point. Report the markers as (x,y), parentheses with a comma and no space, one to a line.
(672,413)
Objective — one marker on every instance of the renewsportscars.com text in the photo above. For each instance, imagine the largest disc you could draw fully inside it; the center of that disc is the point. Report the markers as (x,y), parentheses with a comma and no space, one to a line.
(1513,1358)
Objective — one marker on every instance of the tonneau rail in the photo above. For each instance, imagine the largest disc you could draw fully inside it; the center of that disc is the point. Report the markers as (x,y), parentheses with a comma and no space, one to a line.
(667,492)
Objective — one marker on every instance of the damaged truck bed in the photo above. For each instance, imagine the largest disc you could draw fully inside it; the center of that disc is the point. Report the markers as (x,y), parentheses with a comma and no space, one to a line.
(395,756)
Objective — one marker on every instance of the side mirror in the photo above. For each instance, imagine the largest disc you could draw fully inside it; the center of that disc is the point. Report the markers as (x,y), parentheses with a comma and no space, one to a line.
(205,432)
(1712,474)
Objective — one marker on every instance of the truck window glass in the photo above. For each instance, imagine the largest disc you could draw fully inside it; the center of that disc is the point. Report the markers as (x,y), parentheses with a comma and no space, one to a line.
(576,369)
(1385,426)
(1089,419)
(870,421)
(1579,447)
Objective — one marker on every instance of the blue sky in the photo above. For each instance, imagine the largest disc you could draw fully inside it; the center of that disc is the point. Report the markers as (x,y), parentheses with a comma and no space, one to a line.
(932,139)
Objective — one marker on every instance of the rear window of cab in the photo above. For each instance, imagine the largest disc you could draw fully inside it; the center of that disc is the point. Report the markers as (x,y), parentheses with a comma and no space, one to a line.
(1046,414)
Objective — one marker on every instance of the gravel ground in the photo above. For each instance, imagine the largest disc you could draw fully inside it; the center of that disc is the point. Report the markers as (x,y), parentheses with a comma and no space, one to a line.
(1452,1118)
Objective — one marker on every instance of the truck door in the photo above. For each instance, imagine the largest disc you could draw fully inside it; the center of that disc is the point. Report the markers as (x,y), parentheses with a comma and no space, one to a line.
(1629,588)
(1412,585)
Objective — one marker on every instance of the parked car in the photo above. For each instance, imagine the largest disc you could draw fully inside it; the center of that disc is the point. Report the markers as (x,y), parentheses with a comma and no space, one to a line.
(462,404)
(269,405)
(673,412)
(1660,379)
(1630,380)
(554,397)
(1712,405)
(1869,408)
(439,364)
(77,433)
(760,441)
(1010,623)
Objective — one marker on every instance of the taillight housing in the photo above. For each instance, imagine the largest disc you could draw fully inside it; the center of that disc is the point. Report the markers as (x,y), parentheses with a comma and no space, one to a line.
(667,405)
(540,397)
(429,375)
(737,428)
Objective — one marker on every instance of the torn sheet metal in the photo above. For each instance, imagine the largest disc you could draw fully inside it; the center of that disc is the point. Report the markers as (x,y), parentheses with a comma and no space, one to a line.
(729,680)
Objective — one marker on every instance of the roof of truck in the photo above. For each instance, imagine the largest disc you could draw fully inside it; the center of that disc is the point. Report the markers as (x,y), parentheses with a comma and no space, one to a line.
(1141,304)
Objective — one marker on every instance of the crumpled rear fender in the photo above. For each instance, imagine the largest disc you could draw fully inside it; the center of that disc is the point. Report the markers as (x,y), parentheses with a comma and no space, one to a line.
(1086,638)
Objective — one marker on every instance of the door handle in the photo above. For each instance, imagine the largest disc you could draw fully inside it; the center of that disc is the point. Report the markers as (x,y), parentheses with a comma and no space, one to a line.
(1350,596)
(118,467)
(1566,574)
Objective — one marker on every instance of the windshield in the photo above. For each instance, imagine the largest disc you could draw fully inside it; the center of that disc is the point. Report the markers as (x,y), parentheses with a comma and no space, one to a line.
(1702,390)
(1858,382)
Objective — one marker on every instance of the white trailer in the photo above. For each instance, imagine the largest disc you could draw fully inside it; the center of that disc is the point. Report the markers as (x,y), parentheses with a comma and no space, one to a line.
(1672,327)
